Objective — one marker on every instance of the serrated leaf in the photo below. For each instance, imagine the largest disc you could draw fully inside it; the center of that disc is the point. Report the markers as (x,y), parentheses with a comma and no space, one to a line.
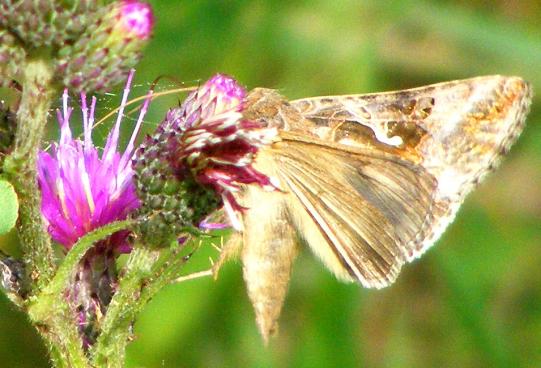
(9,207)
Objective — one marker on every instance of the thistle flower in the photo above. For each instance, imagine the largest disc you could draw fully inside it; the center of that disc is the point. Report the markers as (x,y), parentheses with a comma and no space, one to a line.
(199,156)
(133,19)
(82,191)
(218,145)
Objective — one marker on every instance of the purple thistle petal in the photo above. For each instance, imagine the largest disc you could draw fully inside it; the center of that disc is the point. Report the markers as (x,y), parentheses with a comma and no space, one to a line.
(213,225)
(82,191)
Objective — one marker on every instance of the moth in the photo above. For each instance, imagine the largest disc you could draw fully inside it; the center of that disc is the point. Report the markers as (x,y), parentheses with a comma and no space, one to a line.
(367,182)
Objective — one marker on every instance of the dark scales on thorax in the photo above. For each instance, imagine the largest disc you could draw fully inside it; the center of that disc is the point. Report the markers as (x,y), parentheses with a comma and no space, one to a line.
(269,107)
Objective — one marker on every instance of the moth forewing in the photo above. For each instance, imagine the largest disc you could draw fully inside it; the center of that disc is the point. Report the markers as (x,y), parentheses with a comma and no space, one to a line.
(456,131)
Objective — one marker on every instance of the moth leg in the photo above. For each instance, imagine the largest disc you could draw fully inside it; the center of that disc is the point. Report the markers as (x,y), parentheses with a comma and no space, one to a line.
(229,250)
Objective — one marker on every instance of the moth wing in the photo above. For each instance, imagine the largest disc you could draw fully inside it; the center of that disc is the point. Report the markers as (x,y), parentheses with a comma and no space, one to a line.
(361,213)
(456,131)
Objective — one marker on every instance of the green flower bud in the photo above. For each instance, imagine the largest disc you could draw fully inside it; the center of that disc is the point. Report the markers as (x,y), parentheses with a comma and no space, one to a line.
(171,199)
(41,23)
(108,49)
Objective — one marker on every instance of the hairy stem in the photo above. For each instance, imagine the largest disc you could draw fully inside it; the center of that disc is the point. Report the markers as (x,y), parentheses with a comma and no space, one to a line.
(58,327)
(50,311)
(110,349)
(147,272)
(20,167)
(63,341)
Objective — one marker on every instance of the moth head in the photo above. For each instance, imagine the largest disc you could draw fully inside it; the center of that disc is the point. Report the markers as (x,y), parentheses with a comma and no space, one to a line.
(269,108)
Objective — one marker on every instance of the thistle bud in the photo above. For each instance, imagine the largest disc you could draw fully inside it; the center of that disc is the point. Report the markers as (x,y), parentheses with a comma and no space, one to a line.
(104,54)
(199,156)
(171,199)
(40,23)
(12,57)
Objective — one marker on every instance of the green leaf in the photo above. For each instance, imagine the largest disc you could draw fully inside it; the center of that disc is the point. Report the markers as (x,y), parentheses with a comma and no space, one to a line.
(9,207)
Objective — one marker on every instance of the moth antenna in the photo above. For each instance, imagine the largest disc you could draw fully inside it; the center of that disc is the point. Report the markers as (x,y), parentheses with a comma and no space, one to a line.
(154,96)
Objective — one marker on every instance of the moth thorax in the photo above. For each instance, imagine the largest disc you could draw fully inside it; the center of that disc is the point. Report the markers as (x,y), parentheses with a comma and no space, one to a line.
(268,107)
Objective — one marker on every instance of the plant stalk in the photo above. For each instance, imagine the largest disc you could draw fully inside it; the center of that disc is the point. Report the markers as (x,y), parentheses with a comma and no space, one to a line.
(110,349)
(58,329)
(20,168)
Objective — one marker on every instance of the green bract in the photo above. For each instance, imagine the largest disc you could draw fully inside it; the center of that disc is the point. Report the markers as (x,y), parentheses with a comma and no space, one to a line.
(9,207)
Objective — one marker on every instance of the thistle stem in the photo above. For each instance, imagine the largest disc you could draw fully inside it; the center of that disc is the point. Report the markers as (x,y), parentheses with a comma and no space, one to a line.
(110,349)
(146,274)
(20,168)
(58,329)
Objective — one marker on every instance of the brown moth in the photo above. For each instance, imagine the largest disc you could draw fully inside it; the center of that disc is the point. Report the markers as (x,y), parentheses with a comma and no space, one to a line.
(368,182)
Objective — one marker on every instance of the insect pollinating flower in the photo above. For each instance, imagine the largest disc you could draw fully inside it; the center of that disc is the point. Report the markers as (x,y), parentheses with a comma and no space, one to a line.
(218,144)
(81,189)
(198,157)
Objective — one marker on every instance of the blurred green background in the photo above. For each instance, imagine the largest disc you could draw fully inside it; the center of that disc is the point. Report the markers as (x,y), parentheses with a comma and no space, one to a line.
(474,300)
